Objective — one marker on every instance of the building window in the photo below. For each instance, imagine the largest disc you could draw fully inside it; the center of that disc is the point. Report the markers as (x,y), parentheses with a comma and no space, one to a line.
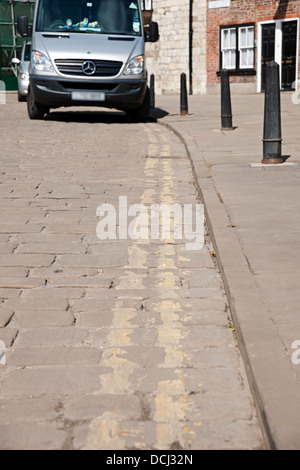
(246,47)
(237,47)
(228,46)
(146,5)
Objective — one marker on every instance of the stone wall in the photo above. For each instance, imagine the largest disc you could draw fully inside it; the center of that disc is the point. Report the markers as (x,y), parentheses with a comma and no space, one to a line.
(169,57)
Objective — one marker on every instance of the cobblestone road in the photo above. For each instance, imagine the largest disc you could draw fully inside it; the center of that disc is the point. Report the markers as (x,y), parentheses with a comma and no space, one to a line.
(109,344)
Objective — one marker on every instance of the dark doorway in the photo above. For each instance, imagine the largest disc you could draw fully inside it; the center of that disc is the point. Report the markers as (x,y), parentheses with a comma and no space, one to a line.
(289,51)
(268,50)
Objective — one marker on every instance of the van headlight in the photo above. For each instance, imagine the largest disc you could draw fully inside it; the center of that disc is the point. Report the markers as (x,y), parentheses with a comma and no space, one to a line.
(135,66)
(40,62)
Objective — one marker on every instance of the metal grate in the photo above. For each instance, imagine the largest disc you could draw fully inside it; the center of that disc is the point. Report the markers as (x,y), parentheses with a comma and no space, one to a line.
(104,68)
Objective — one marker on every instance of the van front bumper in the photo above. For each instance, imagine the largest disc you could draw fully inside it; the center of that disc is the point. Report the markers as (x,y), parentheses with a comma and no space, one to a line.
(53,92)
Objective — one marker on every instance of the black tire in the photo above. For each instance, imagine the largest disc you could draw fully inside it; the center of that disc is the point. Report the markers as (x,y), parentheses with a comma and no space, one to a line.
(35,111)
(140,114)
(21,97)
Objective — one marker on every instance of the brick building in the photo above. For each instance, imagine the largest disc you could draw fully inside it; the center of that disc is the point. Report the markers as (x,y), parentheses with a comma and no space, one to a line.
(244,35)
(200,37)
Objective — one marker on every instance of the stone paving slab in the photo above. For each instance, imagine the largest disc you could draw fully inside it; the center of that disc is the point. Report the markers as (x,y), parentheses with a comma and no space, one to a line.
(114,345)
(252,212)
(32,436)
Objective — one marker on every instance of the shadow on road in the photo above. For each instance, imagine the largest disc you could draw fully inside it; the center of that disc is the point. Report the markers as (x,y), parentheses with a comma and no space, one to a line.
(158,113)
(93,117)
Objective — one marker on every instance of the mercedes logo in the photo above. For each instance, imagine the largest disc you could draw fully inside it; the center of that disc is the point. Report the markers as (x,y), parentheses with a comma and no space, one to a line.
(88,67)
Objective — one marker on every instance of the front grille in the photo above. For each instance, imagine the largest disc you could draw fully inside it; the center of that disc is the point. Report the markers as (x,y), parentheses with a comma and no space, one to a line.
(104,68)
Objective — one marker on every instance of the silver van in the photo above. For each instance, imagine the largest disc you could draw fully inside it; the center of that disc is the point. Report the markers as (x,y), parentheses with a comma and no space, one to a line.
(88,52)
(23,65)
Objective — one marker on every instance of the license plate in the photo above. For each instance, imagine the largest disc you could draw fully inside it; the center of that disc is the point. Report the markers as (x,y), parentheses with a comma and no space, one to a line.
(88,96)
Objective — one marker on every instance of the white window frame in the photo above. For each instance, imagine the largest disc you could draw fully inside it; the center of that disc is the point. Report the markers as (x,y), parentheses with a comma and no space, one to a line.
(146,5)
(238,48)
(248,47)
(228,48)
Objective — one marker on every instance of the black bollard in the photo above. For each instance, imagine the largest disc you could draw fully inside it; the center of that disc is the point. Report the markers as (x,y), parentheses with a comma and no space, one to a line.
(152,91)
(272,140)
(226,113)
(183,96)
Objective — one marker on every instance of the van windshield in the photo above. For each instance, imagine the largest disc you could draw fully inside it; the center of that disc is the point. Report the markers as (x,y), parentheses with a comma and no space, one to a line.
(94,16)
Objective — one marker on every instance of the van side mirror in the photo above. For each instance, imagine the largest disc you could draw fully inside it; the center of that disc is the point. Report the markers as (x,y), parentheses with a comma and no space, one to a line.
(23,28)
(153,34)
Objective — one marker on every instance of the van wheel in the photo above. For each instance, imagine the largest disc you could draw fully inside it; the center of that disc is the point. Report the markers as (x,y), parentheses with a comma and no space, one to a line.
(140,114)
(34,110)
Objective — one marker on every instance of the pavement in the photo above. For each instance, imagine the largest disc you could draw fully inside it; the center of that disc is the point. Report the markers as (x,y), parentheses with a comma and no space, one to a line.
(134,345)
(252,212)
(114,344)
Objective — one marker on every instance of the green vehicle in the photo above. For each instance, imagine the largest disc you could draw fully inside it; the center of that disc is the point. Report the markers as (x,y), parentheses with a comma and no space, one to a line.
(11,43)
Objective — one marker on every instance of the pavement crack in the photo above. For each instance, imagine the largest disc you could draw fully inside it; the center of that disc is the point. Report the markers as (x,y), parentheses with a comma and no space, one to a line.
(16,248)
(14,338)
(9,320)
(54,260)
(249,265)
(145,407)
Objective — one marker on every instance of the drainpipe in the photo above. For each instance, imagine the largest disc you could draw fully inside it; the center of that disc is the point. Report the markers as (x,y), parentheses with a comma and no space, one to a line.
(191,48)
(14,69)
(13,28)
